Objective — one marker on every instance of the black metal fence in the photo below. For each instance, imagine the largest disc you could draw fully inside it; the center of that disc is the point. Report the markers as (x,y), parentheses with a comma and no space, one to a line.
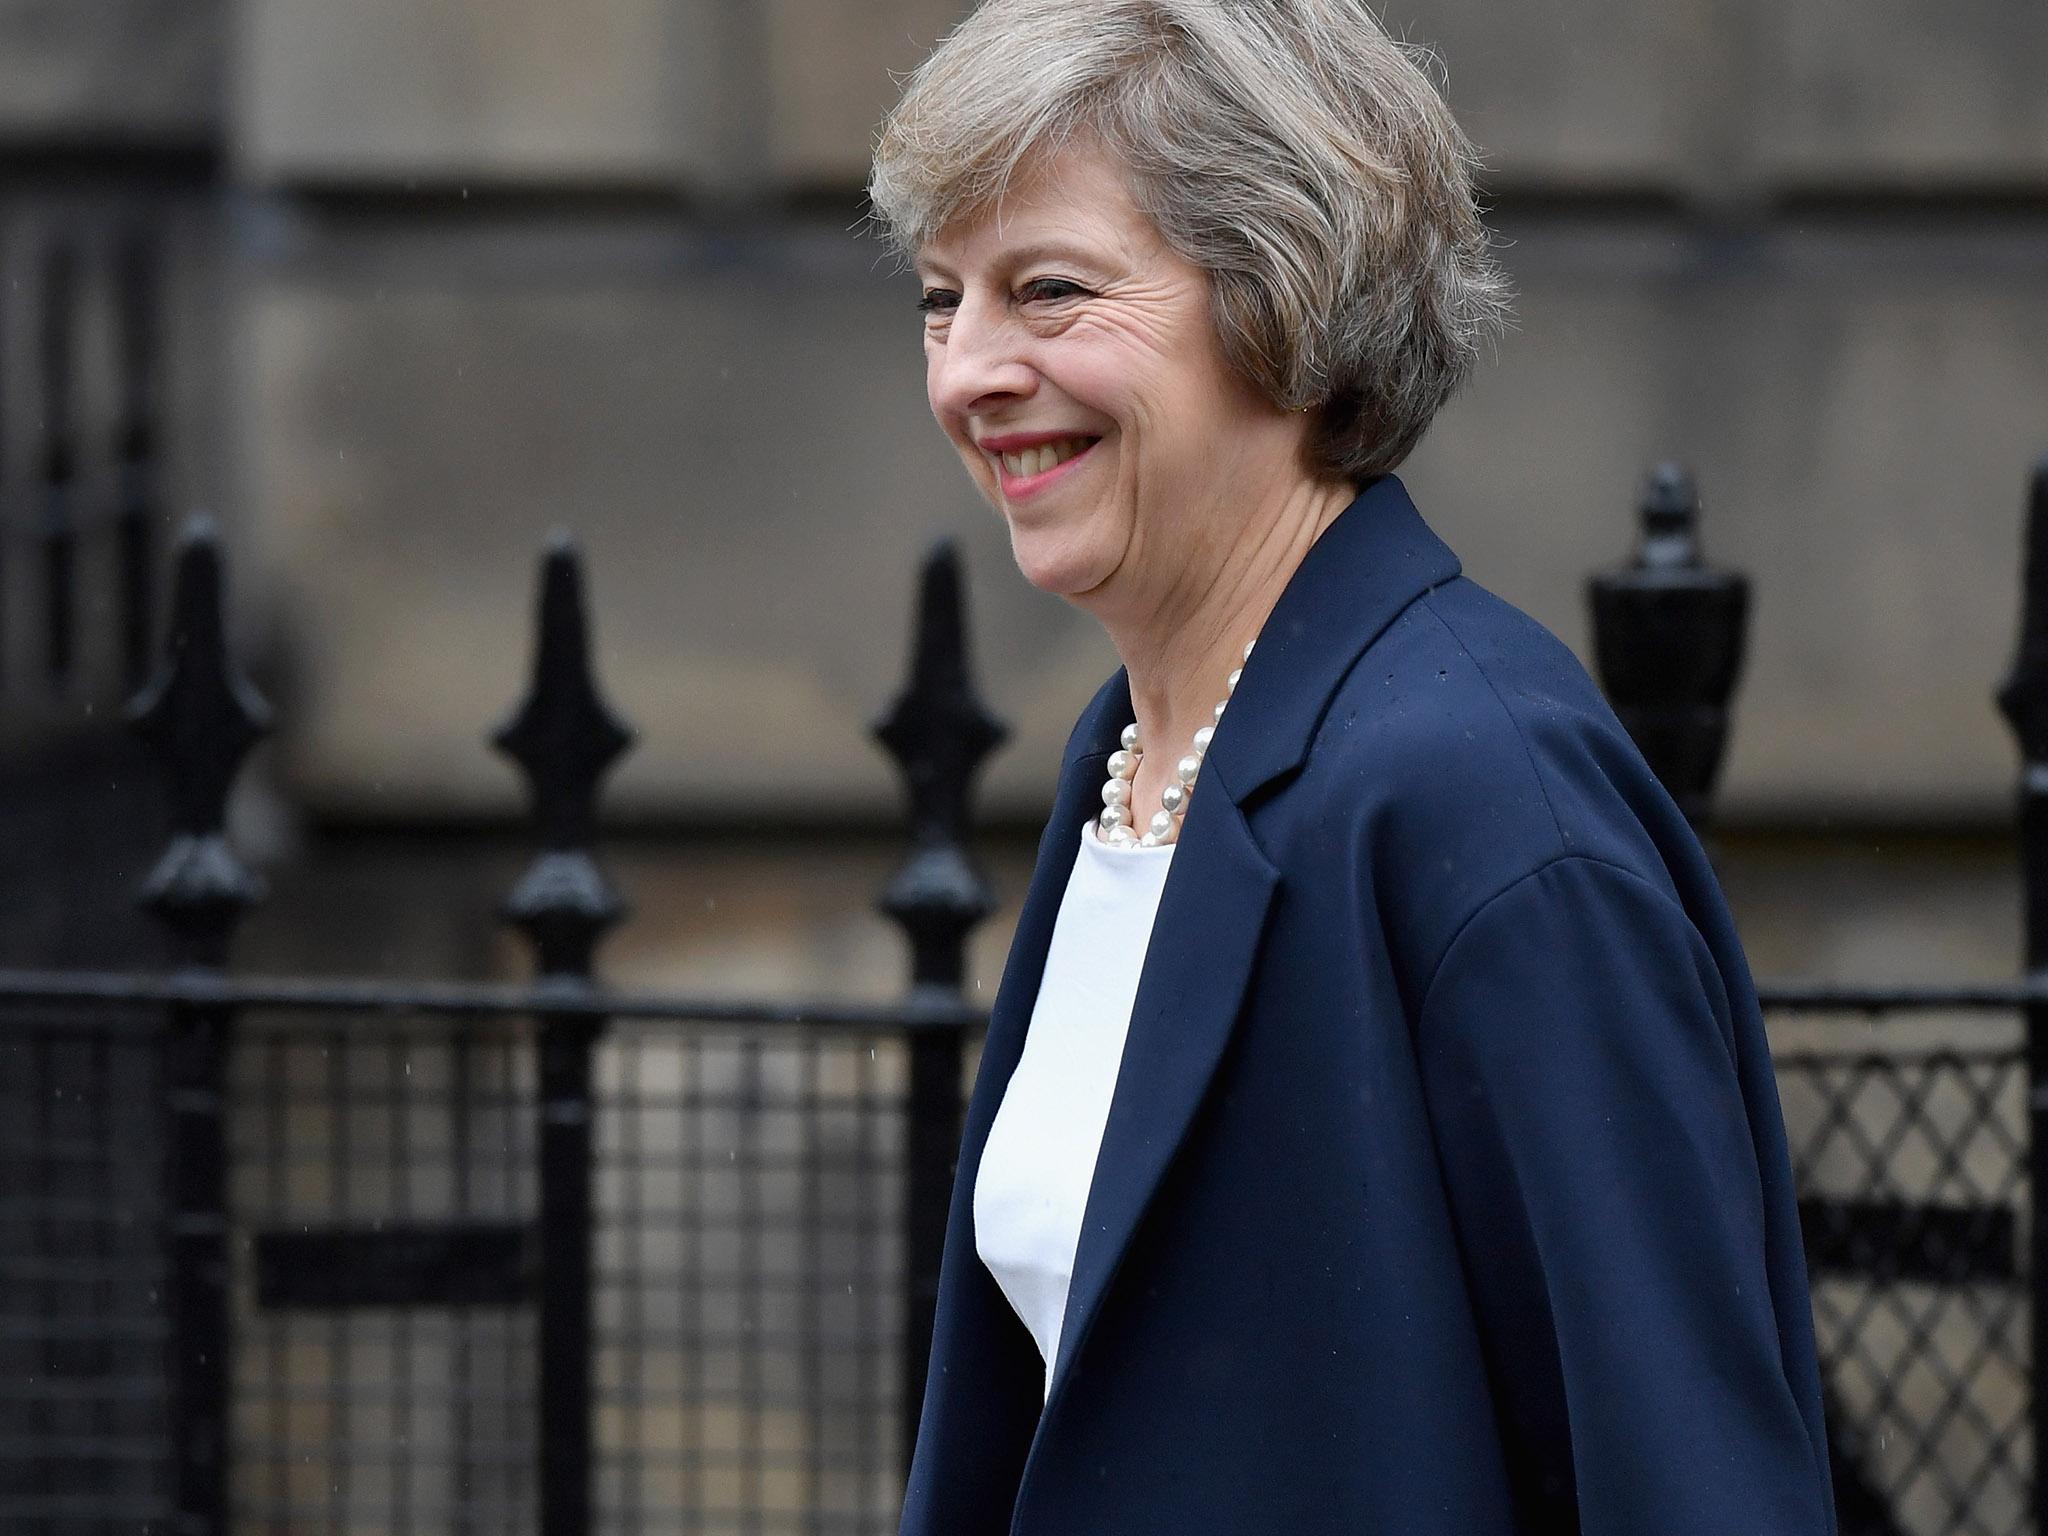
(382,1257)
(291,1255)
(1912,1156)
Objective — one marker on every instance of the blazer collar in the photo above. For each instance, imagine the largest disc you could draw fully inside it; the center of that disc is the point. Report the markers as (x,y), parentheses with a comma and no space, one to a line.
(1376,557)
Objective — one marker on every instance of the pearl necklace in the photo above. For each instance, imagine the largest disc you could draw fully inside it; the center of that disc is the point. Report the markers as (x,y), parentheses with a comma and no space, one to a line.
(1117,811)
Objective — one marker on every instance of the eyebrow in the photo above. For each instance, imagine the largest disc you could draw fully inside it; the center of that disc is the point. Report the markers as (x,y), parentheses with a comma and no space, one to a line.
(1043,250)
(1024,256)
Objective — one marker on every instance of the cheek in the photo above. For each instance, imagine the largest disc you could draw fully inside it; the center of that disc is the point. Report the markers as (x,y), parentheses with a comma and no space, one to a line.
(1137,371)
(1196,401)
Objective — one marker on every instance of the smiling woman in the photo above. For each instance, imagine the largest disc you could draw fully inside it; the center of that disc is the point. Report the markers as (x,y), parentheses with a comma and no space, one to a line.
(1071,359)
(1375,1129)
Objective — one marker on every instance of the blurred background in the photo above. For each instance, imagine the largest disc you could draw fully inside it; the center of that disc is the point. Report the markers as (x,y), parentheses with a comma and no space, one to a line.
(392,288)
(442,275)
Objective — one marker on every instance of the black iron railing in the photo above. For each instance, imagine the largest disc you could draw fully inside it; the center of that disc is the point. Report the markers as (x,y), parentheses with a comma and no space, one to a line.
(375,1255)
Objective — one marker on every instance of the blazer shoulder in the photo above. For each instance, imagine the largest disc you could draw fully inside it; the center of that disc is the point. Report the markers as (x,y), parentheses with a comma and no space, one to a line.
(1466,748)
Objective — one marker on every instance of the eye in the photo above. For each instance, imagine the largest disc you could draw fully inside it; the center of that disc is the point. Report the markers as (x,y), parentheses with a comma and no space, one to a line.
(938,301)
(1052,289)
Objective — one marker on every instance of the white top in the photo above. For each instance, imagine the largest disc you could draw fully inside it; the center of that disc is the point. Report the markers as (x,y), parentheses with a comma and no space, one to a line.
(1032,1187)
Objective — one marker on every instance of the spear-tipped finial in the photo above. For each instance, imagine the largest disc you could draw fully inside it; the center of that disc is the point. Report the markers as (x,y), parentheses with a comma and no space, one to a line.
(565,739)
(201,717)
(1671,520)
(1668,639)
(940,733)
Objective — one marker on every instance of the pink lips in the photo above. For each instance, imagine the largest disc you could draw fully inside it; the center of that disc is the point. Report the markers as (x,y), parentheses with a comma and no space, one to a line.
(1017,487)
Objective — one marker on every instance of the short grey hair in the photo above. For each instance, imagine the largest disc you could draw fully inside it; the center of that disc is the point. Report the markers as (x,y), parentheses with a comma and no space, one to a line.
(1291,149)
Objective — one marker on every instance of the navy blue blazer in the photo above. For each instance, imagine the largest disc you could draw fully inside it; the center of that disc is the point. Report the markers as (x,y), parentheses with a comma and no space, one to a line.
(1444,1190)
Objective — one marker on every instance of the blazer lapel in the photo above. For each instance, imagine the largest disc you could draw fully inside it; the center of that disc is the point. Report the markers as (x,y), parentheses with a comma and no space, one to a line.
(1077,797)
(1374,559)
(1211,915)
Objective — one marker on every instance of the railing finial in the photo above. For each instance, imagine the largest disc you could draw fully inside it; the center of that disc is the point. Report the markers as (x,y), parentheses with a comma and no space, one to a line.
(201,716)
(939,732)
(565,739)
(1668,633)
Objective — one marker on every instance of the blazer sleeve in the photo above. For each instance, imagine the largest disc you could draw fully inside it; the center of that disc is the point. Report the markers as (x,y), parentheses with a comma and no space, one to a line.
(1579,1062)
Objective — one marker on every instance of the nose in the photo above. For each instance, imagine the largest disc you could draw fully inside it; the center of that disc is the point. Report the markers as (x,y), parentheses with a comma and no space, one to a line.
(979,366)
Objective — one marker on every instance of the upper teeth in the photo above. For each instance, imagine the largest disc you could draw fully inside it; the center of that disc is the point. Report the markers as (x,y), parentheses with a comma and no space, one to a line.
(1036,461)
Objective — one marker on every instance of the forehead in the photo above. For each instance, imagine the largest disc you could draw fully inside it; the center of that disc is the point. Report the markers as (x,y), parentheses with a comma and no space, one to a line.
(1076,202)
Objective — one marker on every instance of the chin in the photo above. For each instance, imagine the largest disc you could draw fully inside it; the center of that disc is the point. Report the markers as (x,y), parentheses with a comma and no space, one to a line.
(1064,567)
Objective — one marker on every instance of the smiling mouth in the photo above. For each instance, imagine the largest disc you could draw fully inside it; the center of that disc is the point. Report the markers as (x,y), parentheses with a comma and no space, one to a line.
(1036,461)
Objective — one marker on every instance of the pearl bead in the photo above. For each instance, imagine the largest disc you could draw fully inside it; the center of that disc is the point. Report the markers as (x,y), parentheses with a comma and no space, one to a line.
(1119,814)
(1230,682)
(1248,649)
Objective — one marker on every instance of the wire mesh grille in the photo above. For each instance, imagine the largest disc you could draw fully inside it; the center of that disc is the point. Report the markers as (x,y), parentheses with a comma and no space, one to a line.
(1912,1166)
(749,1275)
(747,1279)
(354,1420)
(84,1445)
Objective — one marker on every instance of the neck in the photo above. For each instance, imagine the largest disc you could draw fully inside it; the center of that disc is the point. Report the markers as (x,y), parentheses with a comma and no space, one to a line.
(1179,643)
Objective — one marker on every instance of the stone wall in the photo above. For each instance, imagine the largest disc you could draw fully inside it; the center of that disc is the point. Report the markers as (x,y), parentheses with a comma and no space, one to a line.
(491,266)
(112,71)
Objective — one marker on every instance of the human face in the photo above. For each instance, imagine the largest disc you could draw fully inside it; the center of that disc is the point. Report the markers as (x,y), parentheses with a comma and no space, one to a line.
(1070,358)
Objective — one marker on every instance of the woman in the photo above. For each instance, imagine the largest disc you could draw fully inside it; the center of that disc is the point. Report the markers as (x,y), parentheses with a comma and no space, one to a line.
(1375,1131)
